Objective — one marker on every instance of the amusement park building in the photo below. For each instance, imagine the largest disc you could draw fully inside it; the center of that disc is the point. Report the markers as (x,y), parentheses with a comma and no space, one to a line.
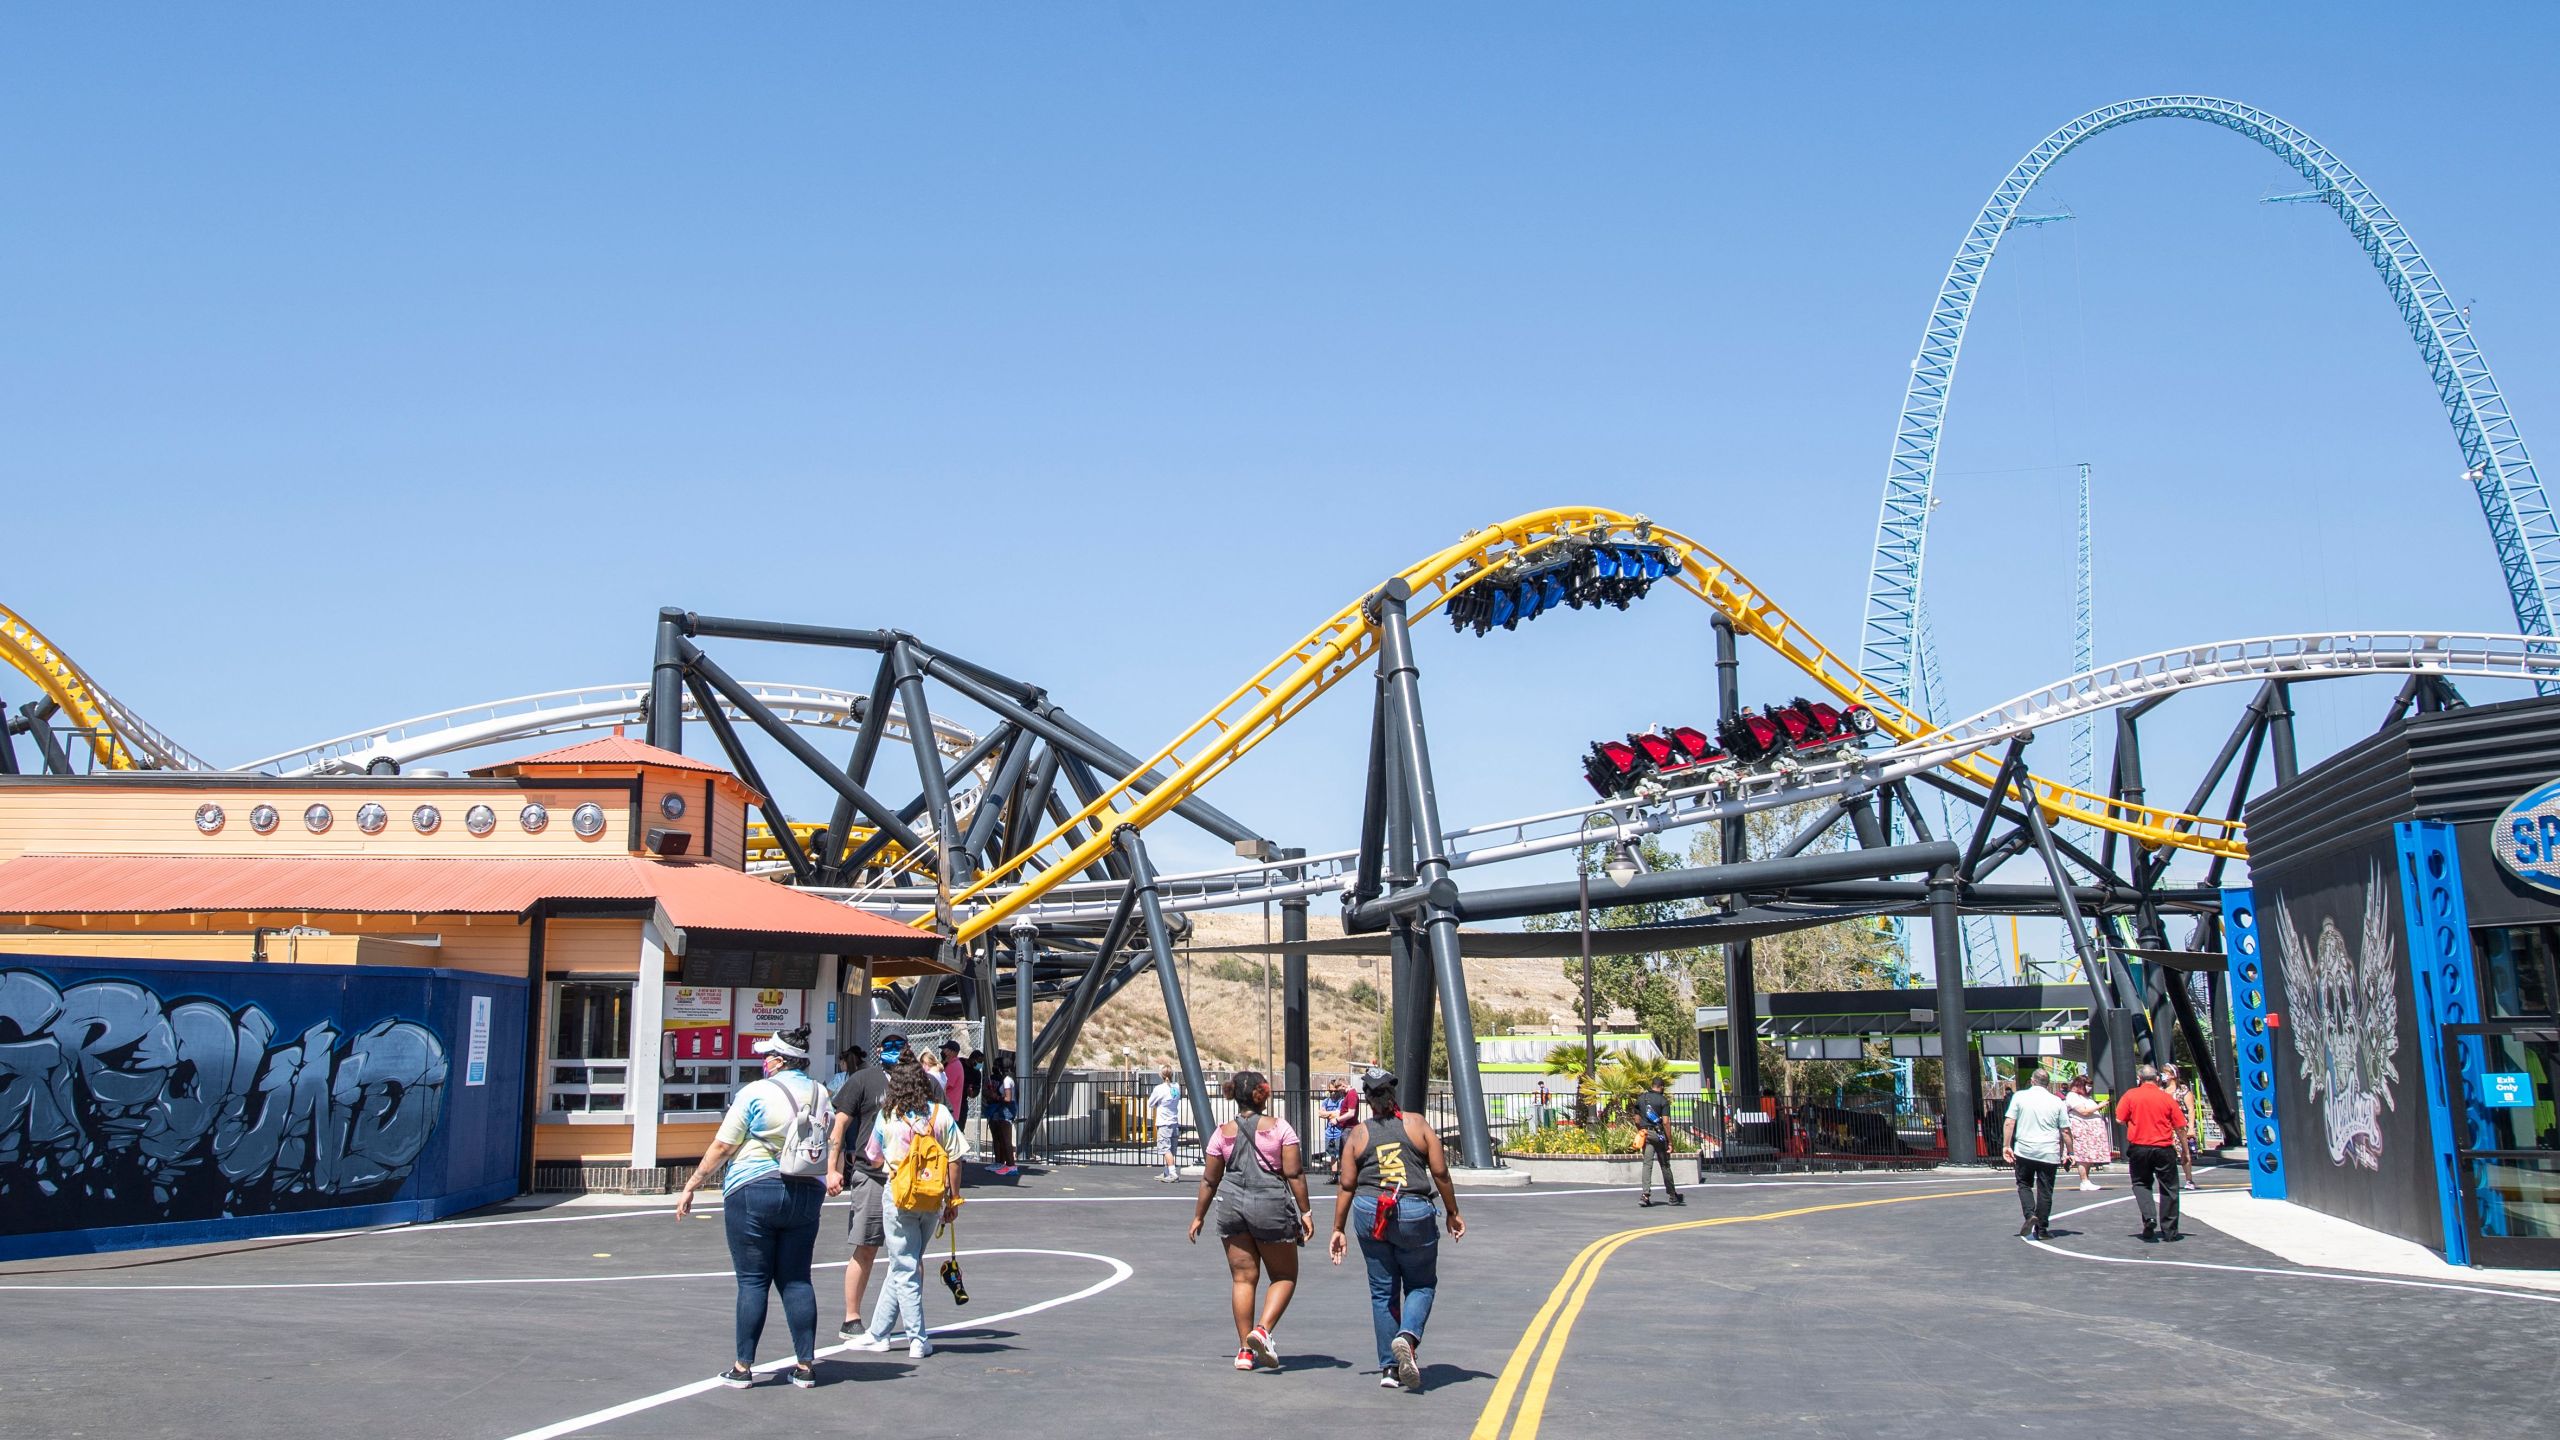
(588,908)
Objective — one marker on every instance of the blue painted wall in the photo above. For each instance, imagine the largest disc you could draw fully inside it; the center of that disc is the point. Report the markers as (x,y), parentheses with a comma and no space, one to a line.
(159,1102)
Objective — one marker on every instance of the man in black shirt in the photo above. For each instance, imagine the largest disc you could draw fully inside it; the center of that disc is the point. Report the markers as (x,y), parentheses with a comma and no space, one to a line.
(1653,1129)
(857,1110)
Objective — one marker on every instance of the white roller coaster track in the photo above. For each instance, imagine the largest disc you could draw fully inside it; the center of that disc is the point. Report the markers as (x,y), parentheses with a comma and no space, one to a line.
(2452,654)
(567,712)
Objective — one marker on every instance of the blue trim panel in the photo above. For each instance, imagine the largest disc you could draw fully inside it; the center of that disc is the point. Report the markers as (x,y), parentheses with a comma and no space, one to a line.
(2259,1123)
(2440,959)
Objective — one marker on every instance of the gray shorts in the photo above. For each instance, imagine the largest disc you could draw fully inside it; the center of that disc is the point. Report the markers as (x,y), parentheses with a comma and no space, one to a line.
(1268,1216)
(863,1226)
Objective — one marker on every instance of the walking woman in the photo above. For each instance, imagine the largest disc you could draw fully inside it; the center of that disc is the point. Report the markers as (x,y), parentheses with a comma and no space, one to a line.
(919,1145)
(998,1109)
(1256,1175)
(2086,1141)
(770,1198)
(1392,1169)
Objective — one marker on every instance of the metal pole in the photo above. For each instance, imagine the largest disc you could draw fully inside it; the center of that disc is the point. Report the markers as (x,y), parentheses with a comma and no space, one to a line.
(665,728)
(950,863)
(1962,1097)
(1026,960)
(1741,997)
(1294,1069)
(1177,1015)
(1590,1016)
(866,743)
(2280,730)
(1457,1022)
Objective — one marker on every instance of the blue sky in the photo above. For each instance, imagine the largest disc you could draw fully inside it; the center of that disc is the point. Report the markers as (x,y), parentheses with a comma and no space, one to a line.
(356,364)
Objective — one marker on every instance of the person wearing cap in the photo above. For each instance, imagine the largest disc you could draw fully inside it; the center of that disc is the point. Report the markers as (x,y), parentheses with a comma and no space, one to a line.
(1394,1185)
(771,1218)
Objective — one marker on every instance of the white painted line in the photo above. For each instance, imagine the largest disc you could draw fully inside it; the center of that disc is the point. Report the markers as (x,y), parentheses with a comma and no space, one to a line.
(2052,1249)
(1119,1271)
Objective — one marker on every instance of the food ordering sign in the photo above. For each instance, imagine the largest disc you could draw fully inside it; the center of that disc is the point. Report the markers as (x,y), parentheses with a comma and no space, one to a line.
(697,1022)
(761,1012)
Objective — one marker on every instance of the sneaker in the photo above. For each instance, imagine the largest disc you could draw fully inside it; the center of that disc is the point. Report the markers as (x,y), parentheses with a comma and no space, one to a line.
(737,1377)
(1408,1372)
(1389,1381)
(2171,1236)
(2150,1234)
(1679,1199)
(1645,1203)
(2027,1230)
(919,1348)
(803,1378)
(853,1330)
(868,1341)
(1244,1359)
(2043,1234)
(1005,1169)
(1257,1343)
(2089,1185)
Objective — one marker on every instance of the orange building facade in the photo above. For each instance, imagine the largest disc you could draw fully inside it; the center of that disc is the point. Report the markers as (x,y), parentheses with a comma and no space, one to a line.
(609,876)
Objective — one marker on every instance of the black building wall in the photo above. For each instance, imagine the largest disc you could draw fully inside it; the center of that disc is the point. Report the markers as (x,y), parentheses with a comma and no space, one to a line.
(2324,867)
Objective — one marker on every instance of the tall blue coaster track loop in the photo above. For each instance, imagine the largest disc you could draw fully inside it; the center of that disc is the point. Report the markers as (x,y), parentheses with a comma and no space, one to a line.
(2521,525)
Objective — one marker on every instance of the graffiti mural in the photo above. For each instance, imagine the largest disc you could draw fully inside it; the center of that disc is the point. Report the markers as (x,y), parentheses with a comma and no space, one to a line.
(120,1108)
(2345,1021)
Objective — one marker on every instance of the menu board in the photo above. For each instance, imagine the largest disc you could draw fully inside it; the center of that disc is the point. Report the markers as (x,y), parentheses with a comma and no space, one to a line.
(750,969)
(697,1022)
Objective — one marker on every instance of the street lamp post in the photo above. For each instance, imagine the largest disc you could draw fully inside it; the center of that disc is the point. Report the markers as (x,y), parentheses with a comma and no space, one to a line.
(1590,1019)
(1623,867)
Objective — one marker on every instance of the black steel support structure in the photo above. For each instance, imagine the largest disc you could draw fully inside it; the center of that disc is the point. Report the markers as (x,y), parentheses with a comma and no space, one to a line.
(1741,992)
(1296,1069)
(1177,1014)
(1961,1095)
(1440,922)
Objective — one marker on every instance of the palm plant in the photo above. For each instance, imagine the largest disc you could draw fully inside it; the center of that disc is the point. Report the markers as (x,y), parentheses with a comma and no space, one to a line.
(1584,1064)
(1630,1075)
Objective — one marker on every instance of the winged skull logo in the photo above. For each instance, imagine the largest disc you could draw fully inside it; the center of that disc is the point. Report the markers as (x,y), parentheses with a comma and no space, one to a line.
(2345,1022)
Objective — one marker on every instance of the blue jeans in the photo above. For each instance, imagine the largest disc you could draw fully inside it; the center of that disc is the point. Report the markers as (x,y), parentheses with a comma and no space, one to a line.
(1404,1268)
(773,1227)
(901,1300)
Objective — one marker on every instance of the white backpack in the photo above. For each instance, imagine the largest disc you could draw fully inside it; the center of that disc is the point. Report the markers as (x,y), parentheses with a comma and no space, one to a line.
(804,1138)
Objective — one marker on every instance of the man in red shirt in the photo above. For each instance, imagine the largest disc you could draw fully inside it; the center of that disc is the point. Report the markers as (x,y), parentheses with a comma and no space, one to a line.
(2153,1123)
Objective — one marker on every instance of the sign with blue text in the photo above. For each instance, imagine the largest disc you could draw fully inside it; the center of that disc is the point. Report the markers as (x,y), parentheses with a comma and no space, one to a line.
(2507,1090)
(2526,838)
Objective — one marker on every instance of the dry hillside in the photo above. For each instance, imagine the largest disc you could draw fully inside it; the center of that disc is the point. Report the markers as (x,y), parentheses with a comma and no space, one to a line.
(1228,1014)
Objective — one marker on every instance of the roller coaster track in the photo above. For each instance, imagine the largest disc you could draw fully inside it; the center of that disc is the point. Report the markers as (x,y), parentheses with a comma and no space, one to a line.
(567,712)
(120,739)
(2282,657)
(2522,527)
(1279,691)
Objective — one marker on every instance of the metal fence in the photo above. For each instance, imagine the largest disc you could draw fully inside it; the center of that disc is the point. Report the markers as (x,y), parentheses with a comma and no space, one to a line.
(1102,1118)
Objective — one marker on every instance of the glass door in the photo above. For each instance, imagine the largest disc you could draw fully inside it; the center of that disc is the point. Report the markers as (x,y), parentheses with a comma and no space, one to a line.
(2507,1139)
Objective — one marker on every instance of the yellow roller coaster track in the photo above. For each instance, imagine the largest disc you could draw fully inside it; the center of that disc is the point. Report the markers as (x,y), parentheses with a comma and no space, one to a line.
(68,686)
(1275,695)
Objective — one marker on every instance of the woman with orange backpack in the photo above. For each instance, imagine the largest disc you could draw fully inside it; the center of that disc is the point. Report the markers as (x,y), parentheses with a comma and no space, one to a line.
(918,1143)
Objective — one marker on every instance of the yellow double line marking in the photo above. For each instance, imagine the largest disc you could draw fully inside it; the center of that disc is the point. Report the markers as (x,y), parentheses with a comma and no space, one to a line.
(1564,1306)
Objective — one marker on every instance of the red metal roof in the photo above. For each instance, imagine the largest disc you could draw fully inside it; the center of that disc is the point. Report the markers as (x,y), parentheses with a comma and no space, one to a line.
(694,894)
(611,750)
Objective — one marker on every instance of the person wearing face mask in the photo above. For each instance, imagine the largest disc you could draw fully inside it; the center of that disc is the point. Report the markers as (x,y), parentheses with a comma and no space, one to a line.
(773,1141)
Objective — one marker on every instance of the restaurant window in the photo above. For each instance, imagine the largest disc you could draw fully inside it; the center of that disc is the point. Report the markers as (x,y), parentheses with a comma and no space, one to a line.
(2518,968)
(590,1046)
